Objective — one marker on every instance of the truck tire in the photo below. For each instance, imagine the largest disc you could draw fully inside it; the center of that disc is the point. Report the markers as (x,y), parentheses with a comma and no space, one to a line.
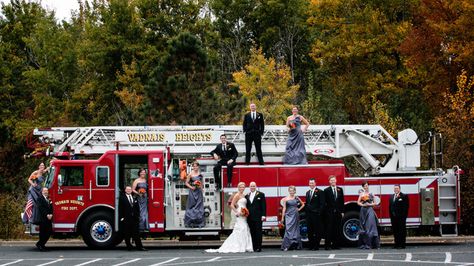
(98,231)
(350,228)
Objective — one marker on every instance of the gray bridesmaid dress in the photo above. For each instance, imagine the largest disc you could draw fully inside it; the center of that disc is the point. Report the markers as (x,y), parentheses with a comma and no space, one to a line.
(368,234)
(194,216)
(295,152)
(292,237)
(143,204)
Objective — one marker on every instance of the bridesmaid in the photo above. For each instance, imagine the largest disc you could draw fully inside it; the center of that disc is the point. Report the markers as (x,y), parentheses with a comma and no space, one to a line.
(368,234)
(36,179)
(140,187)
(290,216)
(295,152)
(194,216)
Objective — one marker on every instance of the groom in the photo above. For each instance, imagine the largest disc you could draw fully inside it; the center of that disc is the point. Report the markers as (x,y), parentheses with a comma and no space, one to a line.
(257,210)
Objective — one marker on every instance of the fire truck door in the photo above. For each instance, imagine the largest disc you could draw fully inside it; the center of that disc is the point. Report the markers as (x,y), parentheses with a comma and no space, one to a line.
(70,197)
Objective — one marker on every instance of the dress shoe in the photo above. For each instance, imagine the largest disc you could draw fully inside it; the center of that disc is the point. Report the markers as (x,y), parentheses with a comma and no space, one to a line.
(258,250)
(337,248)
(327,248)
(142,249)
(316,248)
(40,248)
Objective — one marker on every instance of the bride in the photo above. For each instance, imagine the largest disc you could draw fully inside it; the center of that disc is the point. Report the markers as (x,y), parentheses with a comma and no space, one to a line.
(240,239)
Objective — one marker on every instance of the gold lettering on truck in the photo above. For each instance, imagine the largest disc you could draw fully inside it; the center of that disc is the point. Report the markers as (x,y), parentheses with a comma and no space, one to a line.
(193,137)
(146,137)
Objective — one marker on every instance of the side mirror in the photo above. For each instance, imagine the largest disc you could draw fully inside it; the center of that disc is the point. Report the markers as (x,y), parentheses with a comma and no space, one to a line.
(60,180)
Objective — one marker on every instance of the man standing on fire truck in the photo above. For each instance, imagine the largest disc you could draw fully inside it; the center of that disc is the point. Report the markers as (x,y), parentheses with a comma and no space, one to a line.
(226,154)
(253,127)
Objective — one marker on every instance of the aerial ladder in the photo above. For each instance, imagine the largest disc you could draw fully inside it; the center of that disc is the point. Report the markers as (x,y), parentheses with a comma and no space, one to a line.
(371,145)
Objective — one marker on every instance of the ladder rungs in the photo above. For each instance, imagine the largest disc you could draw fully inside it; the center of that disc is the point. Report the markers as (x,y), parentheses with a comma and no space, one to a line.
(447,198)
(447,185)
(447,210)
(442,223)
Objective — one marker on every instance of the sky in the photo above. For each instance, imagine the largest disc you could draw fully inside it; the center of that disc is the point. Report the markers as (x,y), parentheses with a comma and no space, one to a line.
(62,8)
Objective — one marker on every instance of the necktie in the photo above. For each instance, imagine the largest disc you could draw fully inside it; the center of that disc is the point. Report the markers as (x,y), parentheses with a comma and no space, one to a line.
(334,192)
(130,200)
(252,196)
(253,116)
(311,194)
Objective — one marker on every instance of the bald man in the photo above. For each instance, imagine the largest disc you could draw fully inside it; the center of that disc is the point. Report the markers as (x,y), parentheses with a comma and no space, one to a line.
(257,207)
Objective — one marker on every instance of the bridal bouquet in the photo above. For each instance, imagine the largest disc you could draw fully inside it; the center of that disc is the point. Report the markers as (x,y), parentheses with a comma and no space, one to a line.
(197,184)
(142,191)
(244,212)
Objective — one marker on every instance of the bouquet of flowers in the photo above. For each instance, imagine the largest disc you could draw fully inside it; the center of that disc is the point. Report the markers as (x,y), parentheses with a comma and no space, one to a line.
(292,125)
(197,184)
(34,176)
(142,191)
(366,198)
(244,212)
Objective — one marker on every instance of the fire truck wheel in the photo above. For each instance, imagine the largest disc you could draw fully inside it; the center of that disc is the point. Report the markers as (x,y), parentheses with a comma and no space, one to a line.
(98,231)
(350,228)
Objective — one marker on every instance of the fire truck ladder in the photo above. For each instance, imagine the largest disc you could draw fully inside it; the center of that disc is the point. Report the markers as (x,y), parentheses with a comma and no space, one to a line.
(449,202)
(371,145)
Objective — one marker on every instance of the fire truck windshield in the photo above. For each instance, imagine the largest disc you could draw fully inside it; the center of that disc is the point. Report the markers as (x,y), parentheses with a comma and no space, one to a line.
(49,177)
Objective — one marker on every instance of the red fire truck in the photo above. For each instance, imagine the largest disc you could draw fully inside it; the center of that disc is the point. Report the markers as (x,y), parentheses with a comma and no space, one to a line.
(95,163)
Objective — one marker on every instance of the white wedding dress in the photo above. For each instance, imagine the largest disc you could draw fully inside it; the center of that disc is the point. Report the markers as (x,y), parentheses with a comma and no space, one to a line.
(240,239)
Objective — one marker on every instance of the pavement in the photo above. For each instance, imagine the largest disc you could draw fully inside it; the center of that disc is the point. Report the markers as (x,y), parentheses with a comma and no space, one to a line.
(419,251)
(270,242)
(433,254)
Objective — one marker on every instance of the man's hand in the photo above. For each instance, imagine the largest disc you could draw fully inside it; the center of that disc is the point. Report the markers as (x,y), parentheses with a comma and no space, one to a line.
(216,157)
(264,218)
(342,214)
(230,161)
(49,216)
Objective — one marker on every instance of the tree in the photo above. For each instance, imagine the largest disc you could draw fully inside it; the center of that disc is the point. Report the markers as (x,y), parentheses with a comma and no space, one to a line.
(181,89)
(456,125)
(267,83)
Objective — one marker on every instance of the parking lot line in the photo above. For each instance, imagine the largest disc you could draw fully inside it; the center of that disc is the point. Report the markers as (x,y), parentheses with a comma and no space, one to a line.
(127,262)
(12,262)
(164,262)
(448,257)
(336,262)
(214,259)
(331,256)
(50,262)
(408,257)
(88,262)
(370,256)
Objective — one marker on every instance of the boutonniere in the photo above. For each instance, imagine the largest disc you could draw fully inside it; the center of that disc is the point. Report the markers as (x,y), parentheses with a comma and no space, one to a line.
(338,189)
(400,199)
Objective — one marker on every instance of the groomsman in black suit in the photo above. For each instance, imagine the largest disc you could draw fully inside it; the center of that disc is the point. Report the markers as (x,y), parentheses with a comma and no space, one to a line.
(334,208)
(398,216)
(45,208)
(257,207)
(129,214)
(226,154)
(314,208)
(253,126)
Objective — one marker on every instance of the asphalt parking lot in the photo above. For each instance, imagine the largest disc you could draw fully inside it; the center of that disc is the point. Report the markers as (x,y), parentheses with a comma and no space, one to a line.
(439,253)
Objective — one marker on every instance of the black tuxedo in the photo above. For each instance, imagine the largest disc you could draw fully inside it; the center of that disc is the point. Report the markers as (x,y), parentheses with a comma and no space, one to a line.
(334,209)
(129,216)
(398,207)
(225,155)
(45,207)
(257,209)
(314,209)
(253,129)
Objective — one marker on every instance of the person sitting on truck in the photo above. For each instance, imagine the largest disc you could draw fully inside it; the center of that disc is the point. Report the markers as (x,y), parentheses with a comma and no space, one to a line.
(140,188)
(226,154)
